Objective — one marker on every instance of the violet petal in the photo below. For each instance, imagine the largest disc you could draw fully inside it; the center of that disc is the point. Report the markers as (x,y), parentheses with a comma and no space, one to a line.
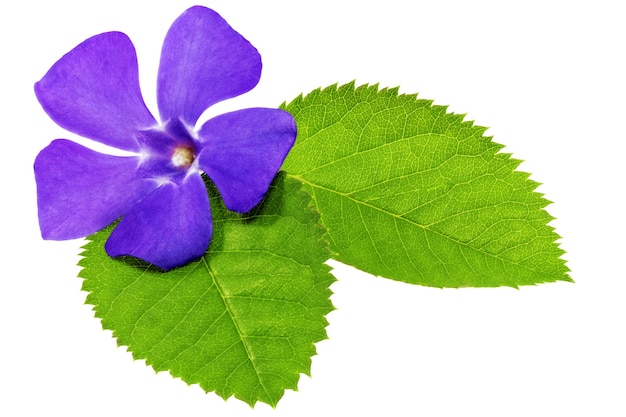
(80,191)
(94,92)
(169,228)
(203,61)
(242,151)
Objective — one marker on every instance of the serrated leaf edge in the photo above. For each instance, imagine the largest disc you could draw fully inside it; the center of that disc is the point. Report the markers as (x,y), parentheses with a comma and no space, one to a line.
(394,93)
(321,233)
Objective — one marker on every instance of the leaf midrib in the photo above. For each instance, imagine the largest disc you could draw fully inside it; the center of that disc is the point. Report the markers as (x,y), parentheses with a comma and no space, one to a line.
(423,227)
(242,337)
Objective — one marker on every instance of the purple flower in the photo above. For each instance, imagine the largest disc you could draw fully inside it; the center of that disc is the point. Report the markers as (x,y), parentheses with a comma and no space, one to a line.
(159,192)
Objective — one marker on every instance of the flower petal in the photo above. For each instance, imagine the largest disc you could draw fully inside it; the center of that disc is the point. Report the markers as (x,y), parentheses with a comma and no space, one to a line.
(242,151)
(169,228)
(80,191)
(203,61)
(93,91)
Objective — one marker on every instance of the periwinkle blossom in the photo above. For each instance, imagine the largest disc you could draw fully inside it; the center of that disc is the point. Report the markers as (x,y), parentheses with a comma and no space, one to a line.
(158,192)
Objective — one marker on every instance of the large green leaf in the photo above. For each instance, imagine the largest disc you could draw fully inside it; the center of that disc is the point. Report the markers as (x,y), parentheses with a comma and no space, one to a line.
(410,192)
(241,321)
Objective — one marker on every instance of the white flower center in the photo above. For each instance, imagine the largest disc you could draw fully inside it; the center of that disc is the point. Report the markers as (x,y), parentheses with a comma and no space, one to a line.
(183,157)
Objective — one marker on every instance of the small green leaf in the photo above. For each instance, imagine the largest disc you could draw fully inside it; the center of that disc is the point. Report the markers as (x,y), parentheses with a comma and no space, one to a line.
(242,320)
(409,192)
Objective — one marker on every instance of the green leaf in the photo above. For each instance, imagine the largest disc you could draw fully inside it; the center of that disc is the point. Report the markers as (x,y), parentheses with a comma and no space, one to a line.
(242,320)
(412,193)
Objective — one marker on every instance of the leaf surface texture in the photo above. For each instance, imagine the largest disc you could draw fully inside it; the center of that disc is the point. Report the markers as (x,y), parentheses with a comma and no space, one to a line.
(410,192)
(243,319)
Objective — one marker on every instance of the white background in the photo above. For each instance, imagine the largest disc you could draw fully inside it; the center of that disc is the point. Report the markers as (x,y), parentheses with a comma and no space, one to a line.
(546,76)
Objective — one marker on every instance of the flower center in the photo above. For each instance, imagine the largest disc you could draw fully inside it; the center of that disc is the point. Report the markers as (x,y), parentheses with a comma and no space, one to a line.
(183,157)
